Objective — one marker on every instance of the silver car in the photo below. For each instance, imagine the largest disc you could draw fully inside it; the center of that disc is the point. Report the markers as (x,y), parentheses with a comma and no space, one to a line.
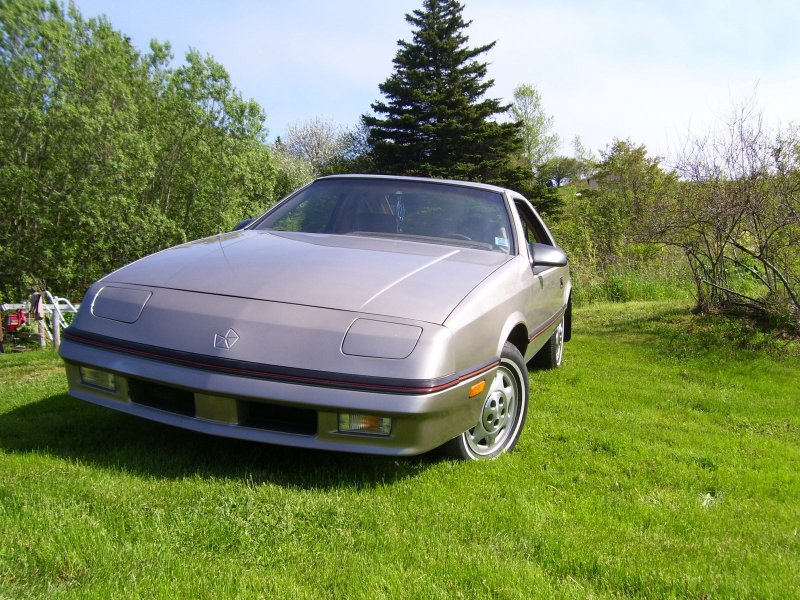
(373,314)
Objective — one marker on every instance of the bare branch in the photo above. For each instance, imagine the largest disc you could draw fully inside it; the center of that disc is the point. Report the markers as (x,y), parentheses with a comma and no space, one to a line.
(778,273)
(750,269)
(730,291)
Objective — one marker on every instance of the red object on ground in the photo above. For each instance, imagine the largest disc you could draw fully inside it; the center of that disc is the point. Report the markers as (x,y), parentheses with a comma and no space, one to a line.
(15,320)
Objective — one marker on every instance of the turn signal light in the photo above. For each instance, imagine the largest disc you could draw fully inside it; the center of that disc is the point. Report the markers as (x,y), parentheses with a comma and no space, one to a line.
(477,388)
(367,424)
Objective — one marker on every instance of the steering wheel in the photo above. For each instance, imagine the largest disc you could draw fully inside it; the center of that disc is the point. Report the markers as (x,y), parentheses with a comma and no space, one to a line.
(456,236)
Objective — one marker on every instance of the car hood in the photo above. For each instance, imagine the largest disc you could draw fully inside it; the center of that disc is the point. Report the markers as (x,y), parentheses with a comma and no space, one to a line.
(381,276)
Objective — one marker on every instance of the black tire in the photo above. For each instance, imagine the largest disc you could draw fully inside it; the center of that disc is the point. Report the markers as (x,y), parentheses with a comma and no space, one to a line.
(552,353)
(568,321)
(502,415)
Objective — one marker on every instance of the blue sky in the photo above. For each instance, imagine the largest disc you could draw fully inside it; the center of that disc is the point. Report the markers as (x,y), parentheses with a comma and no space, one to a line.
(651,71)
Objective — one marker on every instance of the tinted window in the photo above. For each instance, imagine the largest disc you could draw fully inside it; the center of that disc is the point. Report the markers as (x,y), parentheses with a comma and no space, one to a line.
(430,212)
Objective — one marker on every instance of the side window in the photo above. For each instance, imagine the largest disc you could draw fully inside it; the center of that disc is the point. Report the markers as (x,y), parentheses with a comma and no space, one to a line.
(534,229)
(530,237)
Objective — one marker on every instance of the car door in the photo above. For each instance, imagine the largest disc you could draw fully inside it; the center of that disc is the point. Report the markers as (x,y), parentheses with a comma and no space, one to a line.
(547,290)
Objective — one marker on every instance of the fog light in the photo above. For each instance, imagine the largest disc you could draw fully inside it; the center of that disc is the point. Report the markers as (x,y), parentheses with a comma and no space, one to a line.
(99,379)
(368,424)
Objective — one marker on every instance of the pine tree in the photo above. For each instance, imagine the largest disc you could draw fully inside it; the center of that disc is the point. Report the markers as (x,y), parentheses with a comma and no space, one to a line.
(436,121)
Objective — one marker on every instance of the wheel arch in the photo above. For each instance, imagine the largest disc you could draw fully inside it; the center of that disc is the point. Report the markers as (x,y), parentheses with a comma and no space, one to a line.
(519,338)
(516,333)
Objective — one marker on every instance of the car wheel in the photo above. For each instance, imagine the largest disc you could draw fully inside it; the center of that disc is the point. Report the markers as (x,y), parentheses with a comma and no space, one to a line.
(552,353)
(502,413)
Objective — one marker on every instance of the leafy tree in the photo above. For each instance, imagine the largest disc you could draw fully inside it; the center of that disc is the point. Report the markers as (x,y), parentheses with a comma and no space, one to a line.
(544,197)
(603,229)
(587,162)
(107,154)
(539,143)
(211,163)
(71,152)
(435,119)
(560,169)
(600,226)
(291,172)
(630,182)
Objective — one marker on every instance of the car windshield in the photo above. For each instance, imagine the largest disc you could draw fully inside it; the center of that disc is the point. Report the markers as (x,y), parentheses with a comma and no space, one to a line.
(433,212)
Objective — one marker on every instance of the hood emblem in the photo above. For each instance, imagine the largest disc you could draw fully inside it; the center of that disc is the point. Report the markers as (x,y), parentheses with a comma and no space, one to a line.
(226,341)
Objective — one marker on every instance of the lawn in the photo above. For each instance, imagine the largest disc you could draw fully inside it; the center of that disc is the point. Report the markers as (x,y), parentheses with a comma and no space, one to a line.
(662,460)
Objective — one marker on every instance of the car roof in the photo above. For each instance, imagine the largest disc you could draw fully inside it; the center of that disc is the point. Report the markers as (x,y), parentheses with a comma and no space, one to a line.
(472,184)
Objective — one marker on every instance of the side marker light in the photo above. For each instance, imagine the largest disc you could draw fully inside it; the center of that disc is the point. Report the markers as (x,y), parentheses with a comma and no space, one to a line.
(477,388)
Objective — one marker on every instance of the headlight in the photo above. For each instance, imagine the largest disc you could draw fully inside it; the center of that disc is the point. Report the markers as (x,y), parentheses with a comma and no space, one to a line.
(120,303)
(379,339)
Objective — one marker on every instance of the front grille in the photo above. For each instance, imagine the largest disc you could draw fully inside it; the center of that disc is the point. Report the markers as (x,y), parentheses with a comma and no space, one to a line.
(162,397)
(269,417)
(274,417)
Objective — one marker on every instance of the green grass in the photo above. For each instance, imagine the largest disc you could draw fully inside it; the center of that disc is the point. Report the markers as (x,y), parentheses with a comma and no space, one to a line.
(628,284)
(662,460)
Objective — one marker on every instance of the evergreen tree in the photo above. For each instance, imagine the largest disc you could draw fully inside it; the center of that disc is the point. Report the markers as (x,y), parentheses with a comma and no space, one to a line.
(436,121)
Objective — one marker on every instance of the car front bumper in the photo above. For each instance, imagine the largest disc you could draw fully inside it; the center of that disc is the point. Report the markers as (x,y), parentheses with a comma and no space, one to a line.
(273,411)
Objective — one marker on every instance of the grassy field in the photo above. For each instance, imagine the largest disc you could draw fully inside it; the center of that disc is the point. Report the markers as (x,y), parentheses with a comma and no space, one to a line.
(662,461)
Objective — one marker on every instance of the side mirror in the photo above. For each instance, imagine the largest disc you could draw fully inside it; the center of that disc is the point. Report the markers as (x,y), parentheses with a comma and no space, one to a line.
(547,256)
(243,224)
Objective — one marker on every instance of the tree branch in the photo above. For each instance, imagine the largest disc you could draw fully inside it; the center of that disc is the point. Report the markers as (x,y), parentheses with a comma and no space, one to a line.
(773,268)
(750,269)
(757,303)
